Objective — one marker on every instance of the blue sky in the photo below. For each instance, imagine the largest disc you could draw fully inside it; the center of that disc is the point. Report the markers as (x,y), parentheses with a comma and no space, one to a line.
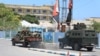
(82,9)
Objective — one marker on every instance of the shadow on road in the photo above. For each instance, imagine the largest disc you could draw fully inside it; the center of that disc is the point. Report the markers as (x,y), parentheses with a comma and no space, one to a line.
(82,50)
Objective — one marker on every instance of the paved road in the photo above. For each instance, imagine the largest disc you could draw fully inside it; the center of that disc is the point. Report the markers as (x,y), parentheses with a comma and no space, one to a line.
(95,52)
(6,49)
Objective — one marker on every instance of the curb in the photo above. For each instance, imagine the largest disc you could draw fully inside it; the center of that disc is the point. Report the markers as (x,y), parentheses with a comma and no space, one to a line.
(58,52)
(5,38)
(49,51)
(97,48)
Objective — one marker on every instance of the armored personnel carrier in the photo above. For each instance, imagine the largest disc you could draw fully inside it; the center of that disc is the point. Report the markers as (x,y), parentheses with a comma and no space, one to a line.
(26,37)
(79,38)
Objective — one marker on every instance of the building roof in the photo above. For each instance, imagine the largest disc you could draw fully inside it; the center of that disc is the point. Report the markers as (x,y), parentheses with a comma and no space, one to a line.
(48,7)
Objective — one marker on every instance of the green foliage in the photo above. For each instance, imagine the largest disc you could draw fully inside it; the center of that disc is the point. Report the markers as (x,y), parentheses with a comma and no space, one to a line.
(51,21)
(8,19)
(30,18)
(96,26)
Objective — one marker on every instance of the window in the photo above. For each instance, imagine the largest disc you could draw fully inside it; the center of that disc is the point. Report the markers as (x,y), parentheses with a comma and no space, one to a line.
(34,11)
(27,10)
(75,34)
(38,11)
(93,34)
(79,34)
(51,12)
(19,10)
(44,11)
(44,17)
(86,34)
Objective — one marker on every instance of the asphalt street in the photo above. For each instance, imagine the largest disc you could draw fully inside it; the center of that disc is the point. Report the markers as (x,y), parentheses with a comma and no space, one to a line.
(95,52)
(6,49)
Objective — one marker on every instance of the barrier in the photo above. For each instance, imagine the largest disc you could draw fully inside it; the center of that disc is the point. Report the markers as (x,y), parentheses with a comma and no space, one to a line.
(48,37)
(2,34)
(58,35)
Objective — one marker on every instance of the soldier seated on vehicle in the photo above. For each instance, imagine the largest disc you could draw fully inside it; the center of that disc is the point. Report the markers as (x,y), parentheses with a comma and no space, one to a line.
(75,27)
(18,34)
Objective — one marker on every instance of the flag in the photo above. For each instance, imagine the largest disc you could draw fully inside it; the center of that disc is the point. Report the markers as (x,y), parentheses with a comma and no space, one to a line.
(56,14)
(56,9)
(69,17)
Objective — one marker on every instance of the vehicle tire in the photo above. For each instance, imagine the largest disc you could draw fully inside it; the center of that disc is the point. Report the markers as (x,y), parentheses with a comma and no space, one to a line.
(73,47)
(89,48)
(61,45)
(25,44)
(13,43)
(76,47)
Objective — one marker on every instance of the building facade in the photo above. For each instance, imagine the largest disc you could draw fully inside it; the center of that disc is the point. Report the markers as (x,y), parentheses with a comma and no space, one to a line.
(40,12)
(97,19)
(88,22)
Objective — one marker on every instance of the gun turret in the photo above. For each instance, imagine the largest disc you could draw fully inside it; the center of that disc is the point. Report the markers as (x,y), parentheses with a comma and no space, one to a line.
(79,26)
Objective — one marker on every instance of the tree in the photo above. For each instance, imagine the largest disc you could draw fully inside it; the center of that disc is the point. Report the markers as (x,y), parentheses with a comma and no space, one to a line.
(96,26)
(30,18)
(8,19)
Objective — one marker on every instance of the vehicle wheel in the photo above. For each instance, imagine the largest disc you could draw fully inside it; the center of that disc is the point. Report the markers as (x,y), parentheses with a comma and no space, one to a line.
(89,48)
(76,47)
(25,44)
(61,45)
(73,47)
(13,43)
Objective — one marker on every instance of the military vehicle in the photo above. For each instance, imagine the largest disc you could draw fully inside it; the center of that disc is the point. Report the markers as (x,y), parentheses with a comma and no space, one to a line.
(79,37)
(26,37)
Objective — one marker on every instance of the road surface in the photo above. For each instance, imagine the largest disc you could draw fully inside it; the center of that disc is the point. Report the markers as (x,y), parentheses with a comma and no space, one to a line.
(95,52)
(6,49)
